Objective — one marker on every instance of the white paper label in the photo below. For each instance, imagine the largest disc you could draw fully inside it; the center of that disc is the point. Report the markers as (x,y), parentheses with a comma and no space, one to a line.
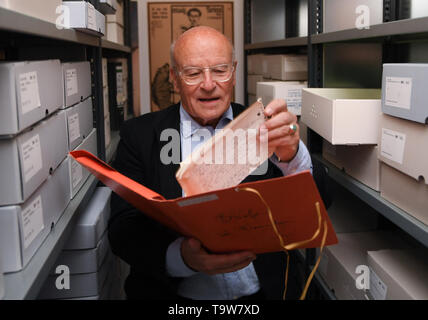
(294,98)
(76,173)
(71,81)
(32,157)
(92,22)
(32,221)
(398,92)
(392,145)
(73,127)
(378,288)
(29,90)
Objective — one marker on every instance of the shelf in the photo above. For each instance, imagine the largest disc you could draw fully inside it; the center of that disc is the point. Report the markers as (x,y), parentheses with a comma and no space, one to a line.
(290,42)
(388,29)
(114,46)
(402,219)
(112,147)
(323,286)
(12,21)
(27,283)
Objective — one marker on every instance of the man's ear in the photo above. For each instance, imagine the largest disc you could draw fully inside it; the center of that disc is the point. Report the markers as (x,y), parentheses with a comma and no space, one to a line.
(174,78)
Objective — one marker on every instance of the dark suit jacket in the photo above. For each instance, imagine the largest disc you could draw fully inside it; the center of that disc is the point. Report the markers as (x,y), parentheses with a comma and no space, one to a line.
(141,241)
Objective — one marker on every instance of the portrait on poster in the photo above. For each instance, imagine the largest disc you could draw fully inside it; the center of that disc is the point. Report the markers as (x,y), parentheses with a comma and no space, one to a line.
(167,21)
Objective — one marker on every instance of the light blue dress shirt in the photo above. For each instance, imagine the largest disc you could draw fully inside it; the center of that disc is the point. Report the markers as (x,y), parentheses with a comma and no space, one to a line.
(226,286)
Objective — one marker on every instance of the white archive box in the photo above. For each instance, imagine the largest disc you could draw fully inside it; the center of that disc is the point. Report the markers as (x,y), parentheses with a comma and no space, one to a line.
(77,82)
(342,15)
(405,192)
(27,159)
(343,116)
(83,16)
(290,91)
(108,6)
(339,263)
(78,174)
(303,131)
(404,91)
(115,33)
(24,227)
(255,64)
(118,17)
(124,63)
(84,261)
(41,9)
(252,80)
(29,92)
(398,274)
(79,122)
(101,22)
(106,100)
(107,129)
(360,162)
(104,66)
(81,285)
(285,67)
(2,290)
(92,222)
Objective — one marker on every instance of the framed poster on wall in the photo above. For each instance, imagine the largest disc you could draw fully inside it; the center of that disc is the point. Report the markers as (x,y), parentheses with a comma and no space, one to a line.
(163,23)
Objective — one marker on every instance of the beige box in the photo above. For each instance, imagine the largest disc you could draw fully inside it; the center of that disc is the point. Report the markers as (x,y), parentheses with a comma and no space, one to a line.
(398,274)
(252,80)
(343,116)
(360,162)
(255,64)
(78,174)
(76,82)
(118,17)
(339,262)
(79,122)
(285,67)
(106,101)
(104,67)
(83,17)
(41,9)
(114,33)
(290,91)
(403,145)
(405,192)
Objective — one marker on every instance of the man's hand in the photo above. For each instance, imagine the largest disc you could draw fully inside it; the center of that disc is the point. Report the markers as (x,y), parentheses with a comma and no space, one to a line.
(281,138)
(198,259)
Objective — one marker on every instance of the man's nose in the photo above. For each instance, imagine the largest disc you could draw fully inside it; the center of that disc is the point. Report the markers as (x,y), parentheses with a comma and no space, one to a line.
(208,83)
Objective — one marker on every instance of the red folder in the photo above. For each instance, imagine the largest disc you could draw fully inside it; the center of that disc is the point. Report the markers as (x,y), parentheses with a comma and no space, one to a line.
(231,219)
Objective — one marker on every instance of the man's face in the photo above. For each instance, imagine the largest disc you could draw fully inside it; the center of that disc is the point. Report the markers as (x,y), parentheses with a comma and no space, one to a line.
(194,18)
(205,102)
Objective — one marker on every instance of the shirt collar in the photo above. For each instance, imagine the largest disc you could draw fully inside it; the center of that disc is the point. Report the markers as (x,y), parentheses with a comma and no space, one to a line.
(184,116)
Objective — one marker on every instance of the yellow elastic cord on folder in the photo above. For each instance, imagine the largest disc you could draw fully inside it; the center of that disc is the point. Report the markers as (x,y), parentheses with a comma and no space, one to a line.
(295,245)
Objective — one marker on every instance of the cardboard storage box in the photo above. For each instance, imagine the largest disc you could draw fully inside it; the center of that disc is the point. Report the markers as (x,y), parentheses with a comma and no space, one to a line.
(255,64)
(360,162)
(404,91)
(115,33)
(343,116)
(405,192)
(84,261)
(252,80)
(81,285)
(78,174)
(107,130)
(404,145)
(29,92)
(24,227)
(339,262)
(118,17)
(106,100)
(83,17)
(101,22)
(342,15)
(79,123)
(285,67)
(46,11)
(290,91)
(92,222)
(77,82)
(108,6)
(398,274)
(27,159)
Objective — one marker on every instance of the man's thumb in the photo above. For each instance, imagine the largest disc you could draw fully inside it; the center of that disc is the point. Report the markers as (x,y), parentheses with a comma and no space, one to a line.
(194,245)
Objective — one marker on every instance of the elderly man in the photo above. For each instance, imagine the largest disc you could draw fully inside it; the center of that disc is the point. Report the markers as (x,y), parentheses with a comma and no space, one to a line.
(164,264)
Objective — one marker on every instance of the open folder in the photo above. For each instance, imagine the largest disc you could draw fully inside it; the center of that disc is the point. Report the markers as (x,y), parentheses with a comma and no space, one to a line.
(231,219)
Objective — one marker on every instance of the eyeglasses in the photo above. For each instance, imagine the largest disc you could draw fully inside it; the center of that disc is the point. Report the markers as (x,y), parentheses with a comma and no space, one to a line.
(195,75)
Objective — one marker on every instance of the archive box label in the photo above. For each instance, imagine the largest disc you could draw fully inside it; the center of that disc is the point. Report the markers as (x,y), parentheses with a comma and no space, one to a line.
(76,173)
(32,221)
(71,82)
(32,157)
(73,127)
(29,90)
(392,145)
(398,92)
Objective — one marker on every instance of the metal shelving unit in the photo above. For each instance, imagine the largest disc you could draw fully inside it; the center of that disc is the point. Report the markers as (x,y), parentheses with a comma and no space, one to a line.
(18,31)
(290,42)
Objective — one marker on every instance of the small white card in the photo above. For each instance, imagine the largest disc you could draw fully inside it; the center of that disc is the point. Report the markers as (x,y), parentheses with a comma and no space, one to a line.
(29,90)
(32,157)
(378,288)
(392,145)
(73,127)
(71,82)
(76,173)
(398,92)
(32,221)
